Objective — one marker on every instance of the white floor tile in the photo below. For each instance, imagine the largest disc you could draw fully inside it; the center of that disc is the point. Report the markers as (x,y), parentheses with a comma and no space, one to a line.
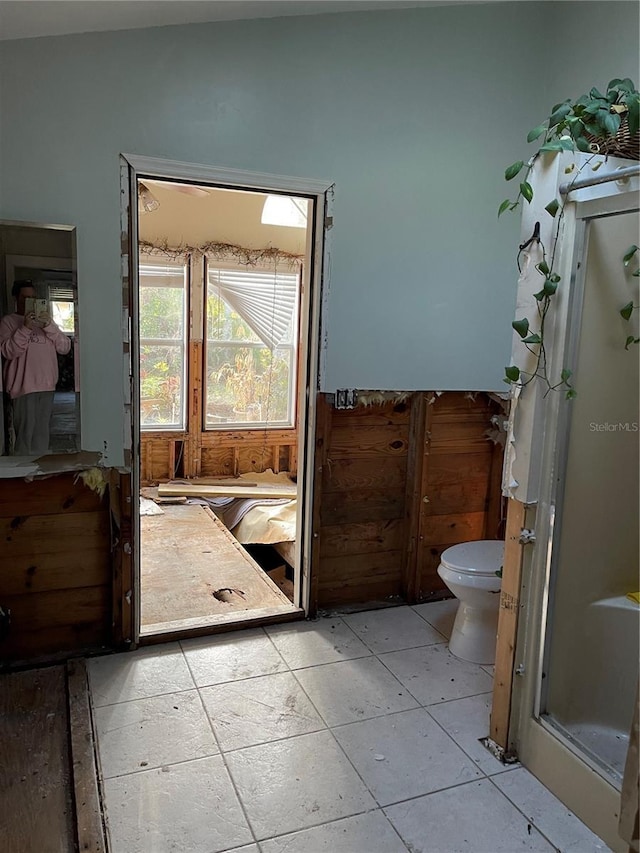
(548,814)
(475,818)
(354,690)
(152,732)
(297,783)
(392,629)
(146,672)
(366,833)
(433,674)
(188,808)
(229,657)
(258,710)
(440,614)
(404,755)
(467,720)
(325,640)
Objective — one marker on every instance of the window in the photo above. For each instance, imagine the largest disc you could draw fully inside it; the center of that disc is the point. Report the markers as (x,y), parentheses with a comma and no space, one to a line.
(61,294)
(251,337)
(163,302)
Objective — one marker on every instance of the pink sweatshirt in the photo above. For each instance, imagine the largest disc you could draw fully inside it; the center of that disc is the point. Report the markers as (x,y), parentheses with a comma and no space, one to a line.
(30,361)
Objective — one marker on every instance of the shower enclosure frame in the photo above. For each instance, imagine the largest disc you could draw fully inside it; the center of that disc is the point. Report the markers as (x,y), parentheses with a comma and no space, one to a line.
(542,747)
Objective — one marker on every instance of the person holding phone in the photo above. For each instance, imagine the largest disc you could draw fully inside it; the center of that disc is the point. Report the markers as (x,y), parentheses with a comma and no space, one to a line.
(30,345)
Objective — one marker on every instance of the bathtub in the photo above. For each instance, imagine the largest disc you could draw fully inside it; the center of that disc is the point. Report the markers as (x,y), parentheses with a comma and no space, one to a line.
(599,713)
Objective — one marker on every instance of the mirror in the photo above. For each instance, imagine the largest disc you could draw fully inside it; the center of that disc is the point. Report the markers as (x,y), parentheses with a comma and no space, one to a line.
(38,343)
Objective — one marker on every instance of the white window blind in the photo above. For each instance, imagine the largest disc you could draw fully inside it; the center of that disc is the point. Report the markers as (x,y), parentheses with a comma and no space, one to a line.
(266,301)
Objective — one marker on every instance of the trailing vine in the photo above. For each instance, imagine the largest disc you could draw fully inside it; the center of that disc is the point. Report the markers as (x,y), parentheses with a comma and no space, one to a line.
(595,124)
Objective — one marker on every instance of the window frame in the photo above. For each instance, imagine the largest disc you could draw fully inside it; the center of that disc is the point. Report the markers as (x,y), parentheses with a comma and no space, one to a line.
(294,347)
(147,260)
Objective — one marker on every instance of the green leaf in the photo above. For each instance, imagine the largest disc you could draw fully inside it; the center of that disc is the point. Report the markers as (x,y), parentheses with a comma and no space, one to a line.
(610,122)
(595,94)
(555,278)
(512,373)
(505,204)
(542,266)
(536,133)
(626,312)
(527,191)
(593,107)
(532,339)
(593,128)
(636,273)
(627,85)
(631,340)
(551,146)
(565,374)
(613,83)
(583,145)
(549,287)
(540,295)
(552,207)
(633,116)
(629,254)
(513,170)
(521,327)
(560,113)
(571,394)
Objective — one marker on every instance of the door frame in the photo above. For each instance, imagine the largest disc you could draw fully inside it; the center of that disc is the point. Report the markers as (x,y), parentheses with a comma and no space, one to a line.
(312,343)
(543,749)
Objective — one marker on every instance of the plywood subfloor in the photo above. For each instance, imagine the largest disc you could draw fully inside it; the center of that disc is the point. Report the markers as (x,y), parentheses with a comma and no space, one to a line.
(187,555)
(49,800)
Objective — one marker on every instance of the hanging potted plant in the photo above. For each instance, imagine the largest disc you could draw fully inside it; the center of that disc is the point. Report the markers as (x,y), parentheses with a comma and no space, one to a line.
(595,124)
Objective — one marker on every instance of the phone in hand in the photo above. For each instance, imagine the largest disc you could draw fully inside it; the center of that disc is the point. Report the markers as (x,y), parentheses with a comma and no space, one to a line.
(36,306)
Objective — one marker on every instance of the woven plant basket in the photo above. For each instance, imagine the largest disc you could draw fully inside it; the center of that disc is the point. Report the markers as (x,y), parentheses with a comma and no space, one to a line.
(623,144)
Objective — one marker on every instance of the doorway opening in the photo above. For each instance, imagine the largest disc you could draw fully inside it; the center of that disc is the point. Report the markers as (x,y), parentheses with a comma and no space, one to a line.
(224,302)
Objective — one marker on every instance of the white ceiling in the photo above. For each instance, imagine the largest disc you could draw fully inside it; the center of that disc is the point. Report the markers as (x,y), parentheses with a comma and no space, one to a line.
(33,18)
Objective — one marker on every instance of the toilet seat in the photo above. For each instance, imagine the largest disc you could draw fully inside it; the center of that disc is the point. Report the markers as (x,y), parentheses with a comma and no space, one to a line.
(480,558)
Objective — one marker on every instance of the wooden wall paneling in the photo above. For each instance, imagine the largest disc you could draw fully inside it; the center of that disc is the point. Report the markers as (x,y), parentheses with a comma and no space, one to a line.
(352,507)
(57,575)
(494,525)
(120,501)
(363,504)
(369,537)
(461,479)
(322,442)
(415,474)
(63,493)
(217,461)
(507,624)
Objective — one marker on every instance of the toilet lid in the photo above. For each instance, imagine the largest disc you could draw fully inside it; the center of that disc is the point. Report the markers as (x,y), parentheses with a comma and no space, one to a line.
(483,557)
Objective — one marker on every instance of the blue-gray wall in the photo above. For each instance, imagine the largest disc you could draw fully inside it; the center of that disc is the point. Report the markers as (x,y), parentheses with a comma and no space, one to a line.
(413,113)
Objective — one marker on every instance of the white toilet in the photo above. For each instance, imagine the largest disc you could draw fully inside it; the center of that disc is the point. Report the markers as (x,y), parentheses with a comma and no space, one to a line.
(470,570)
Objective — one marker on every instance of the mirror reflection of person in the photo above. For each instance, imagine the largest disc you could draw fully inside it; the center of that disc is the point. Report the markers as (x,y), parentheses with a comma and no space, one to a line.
(30,345)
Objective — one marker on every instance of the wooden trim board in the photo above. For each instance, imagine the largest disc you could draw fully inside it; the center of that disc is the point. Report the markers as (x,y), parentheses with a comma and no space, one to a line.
(166,490)
(89,819)
(507,624)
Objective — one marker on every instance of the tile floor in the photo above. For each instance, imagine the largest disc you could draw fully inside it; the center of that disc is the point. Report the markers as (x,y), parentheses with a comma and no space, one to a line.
(357,734)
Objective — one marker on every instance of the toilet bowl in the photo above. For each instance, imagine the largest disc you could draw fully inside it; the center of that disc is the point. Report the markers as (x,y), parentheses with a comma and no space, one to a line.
(470,572)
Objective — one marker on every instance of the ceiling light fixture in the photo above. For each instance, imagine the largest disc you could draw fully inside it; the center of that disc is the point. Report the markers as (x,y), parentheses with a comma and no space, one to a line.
(146,200)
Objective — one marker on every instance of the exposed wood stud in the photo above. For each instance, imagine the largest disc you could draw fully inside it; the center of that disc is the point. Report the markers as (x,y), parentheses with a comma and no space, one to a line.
(507,624)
